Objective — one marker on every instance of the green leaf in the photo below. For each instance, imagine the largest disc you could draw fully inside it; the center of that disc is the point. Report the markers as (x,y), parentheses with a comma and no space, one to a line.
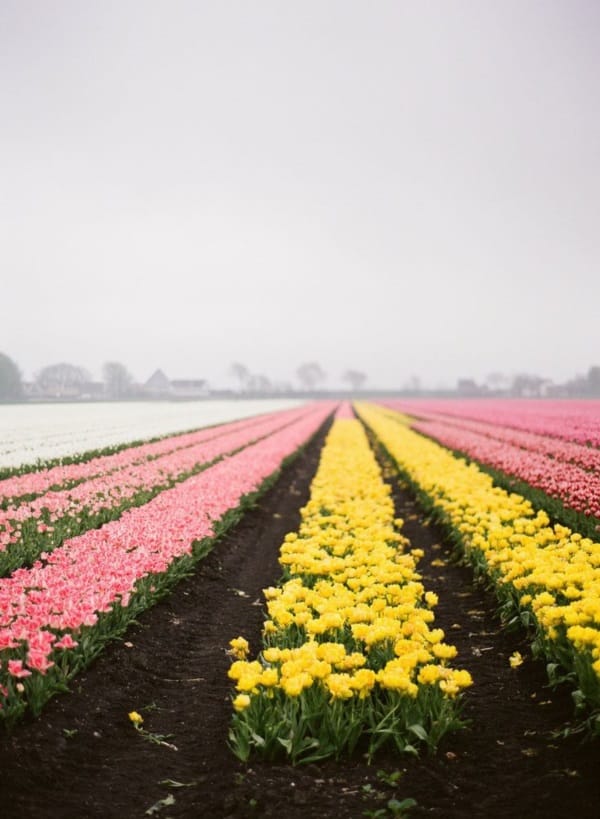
(418,730)
(397,808)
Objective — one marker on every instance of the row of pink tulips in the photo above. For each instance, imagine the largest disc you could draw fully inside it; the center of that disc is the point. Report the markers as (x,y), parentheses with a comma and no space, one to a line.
(344,411)
(584,456)
(573,486)
(577,421)
(44,608)
(116,489)
(38,482)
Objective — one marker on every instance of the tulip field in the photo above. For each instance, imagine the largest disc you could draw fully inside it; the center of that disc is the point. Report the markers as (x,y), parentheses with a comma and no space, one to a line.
(555,450)
(385,608)
(348,638)
(545,575)
(68,577)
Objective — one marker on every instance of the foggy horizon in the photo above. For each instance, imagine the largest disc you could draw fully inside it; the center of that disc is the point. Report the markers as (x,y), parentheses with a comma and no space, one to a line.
(334,381)
(398,188)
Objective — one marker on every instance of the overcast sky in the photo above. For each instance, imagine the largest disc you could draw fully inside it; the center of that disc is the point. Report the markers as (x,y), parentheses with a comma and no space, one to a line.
(396,187)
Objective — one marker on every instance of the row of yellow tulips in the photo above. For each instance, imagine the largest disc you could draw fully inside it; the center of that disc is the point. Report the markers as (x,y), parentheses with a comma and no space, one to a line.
(546,575)
(349,652)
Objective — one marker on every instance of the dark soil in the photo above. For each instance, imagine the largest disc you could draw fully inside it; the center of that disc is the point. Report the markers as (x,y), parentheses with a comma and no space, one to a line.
(82,758)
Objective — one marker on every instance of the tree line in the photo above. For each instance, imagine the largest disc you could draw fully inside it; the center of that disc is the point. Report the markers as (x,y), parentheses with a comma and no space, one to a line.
(59,379)
(310,375)
(64,379)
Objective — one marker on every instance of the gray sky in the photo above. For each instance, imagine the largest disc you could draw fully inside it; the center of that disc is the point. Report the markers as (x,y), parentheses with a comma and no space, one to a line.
(398,187)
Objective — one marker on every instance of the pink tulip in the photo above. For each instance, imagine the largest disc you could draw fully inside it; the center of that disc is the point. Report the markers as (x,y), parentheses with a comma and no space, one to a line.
(15,669)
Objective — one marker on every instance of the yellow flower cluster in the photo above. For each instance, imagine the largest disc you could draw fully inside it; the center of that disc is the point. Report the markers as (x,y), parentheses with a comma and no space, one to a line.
(550,571)
(353,615)
(238,648)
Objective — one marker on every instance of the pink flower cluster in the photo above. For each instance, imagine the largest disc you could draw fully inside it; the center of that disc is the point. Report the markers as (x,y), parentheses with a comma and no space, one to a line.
(584,456)
(121,484)
(36,483)
(90,573)
(571,420)
(344,411)
(576,488)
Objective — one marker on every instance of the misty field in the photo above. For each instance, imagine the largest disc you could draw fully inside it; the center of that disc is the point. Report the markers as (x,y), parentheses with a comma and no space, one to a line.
(316,609)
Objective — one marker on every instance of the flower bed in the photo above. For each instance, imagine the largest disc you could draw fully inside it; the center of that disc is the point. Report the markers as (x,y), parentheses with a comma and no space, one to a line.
(587,457)
(572,420)
(64,476)
(575,487)
(57,615)
(546,576)
(29,529)
(349,653)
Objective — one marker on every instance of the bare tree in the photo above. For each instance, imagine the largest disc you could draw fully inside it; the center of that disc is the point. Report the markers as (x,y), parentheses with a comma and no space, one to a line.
(241,372)
(413,384)
(257,382)
(117,379)
(62,379)
(310,373)
(527,385)
(355,378)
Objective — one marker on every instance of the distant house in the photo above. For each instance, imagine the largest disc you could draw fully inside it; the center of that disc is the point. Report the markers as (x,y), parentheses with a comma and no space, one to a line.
(31,389)
(159,386)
